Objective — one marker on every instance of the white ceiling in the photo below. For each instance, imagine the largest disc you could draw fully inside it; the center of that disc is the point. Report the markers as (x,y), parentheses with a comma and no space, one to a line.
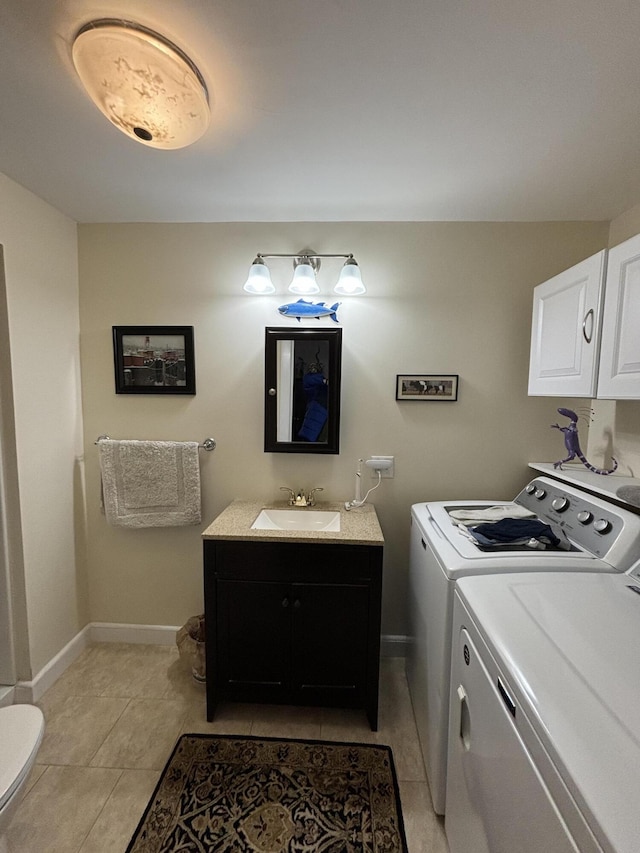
(342,110)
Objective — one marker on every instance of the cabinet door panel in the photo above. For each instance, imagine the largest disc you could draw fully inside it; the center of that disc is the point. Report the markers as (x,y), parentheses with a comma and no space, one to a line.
(565,331)
(330,639)
(619,376)
(253,634)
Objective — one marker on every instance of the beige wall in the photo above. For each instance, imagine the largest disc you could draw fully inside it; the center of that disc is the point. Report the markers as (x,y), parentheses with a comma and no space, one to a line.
(616,424)
(40,257)
(442,297)
(449,297)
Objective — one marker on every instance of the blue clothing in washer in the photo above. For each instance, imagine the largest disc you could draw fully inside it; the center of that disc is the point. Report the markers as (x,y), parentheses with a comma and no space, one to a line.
(515,529)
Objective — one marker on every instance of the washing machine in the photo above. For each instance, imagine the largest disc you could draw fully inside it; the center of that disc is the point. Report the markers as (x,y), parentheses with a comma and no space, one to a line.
(598,537)
(544,737)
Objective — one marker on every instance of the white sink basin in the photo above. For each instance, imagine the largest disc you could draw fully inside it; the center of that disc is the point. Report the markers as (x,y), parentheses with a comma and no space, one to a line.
(297,519)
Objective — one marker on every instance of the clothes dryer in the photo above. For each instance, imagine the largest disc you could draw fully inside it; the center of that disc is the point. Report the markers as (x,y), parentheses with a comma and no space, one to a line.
(601,538)
(544,743)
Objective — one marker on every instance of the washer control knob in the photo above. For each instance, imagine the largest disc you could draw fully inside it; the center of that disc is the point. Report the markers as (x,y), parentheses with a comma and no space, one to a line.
(602,525)
(530,489)
(560,504)
(585,517)
(540,494)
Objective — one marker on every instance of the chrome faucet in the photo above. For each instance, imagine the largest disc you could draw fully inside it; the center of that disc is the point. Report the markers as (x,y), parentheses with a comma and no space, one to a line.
(311,499)
(292,494)
(301,499)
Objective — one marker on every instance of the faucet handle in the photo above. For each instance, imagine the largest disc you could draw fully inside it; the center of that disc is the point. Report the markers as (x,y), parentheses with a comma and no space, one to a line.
(292,494)
(311,501)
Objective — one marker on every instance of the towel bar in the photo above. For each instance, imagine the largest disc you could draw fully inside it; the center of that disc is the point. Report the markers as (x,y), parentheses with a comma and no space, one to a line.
(207,444)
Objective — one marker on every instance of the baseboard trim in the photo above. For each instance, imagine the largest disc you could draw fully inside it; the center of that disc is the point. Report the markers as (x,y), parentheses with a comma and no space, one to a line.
(7,695)
(31,691)
(114,632)
(391,646)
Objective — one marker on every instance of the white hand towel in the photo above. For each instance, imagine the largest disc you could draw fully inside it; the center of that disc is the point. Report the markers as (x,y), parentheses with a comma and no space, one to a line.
(150,483)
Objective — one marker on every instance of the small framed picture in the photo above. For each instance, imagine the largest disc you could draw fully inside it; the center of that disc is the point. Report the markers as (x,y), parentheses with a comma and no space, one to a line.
(154,360)
(427,387)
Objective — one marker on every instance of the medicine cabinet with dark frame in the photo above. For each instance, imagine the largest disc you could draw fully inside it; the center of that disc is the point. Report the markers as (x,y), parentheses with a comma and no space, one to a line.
(302,390)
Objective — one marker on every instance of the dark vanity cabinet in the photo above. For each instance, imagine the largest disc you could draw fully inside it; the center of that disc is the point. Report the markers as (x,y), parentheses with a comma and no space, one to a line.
(293,623)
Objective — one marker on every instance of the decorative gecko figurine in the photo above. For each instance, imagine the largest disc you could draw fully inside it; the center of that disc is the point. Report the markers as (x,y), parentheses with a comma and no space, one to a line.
(572,443)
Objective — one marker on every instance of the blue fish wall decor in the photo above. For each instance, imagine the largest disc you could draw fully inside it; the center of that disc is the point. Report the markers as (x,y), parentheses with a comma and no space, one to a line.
(308,310)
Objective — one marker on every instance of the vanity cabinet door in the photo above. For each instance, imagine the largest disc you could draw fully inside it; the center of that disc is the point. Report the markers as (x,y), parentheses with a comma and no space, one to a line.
(565,332)
(253,632)
(330,635)
(619,377)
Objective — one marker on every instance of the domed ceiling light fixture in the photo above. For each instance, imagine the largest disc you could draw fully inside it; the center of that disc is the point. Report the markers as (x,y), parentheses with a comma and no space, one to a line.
(143,83)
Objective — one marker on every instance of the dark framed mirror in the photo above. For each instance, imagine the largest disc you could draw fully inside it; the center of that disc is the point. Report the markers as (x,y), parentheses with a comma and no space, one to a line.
(302,390)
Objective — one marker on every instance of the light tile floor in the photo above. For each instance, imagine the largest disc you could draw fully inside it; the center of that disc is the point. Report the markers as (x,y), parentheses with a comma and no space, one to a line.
(112,720)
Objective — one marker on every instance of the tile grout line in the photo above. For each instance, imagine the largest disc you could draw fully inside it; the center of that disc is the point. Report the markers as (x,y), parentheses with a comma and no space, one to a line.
(90,759)
(82,843)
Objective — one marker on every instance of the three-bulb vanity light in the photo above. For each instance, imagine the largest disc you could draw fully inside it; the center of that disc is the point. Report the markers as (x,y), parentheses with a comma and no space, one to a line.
(305,266)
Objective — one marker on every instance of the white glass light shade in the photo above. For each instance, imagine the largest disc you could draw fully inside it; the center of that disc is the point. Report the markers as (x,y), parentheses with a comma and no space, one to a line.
(259,280)
(145,85)
(304,280)
(350,280)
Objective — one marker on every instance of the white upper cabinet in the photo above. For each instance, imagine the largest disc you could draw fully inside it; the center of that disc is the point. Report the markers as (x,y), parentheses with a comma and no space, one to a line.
(619,374)
(565,331)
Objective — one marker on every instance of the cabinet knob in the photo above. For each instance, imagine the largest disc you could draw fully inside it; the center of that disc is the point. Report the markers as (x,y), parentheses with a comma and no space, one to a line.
(296,604)
(271,392)
(285,602)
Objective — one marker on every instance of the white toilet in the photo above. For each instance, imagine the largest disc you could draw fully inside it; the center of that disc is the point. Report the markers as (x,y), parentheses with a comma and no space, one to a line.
(21,731)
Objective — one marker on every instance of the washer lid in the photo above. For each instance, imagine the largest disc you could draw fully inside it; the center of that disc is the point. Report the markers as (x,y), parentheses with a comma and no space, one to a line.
(459,556)
(21,730)
(569,646)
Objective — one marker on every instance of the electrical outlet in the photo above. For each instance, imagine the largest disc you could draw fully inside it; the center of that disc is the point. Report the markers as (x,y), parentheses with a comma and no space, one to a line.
(387,473)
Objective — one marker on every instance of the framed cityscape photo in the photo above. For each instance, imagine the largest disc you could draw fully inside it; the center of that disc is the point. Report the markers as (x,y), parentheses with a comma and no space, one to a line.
(427,387)
(154,360)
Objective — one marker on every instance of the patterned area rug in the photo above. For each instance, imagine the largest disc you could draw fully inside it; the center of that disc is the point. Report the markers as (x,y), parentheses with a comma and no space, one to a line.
(231,794)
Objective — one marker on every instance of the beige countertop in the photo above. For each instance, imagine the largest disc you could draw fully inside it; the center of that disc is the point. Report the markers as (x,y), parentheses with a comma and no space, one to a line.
(357,526)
